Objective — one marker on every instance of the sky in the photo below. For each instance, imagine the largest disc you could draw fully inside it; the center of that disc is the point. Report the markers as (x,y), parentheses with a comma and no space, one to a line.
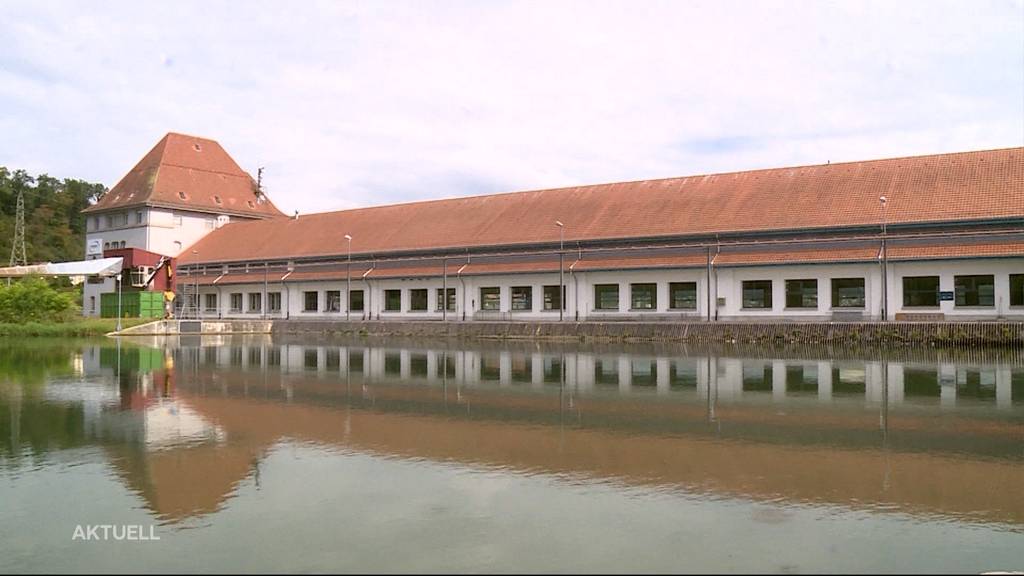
(349,104)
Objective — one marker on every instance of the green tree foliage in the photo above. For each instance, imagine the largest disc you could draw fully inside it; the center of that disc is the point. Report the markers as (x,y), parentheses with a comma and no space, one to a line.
(55,227)
(34,300)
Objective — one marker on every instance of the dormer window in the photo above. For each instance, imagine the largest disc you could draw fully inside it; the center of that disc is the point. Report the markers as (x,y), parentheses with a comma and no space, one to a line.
(217,200)
(251,205)
(197,147)
(182,196)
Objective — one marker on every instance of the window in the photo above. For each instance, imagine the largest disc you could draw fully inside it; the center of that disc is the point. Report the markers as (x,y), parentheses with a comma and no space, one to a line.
(551,298)
(643,296)
(801,293)
(606,296)
(418,299)
(355,300)
(757,294)
(522,297)
(211,302)
(451,298)
(490,298)
(975,290)
(920,291)
(392,300)
(274,301)
(333,302)
(92,303)
(310,301)
(138,217)
(1016,289)
(682,295)
(236,301)
(95,222)
(255,302)
(847,292)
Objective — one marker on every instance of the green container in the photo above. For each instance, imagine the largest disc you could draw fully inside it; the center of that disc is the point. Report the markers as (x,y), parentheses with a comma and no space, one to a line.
(134,304)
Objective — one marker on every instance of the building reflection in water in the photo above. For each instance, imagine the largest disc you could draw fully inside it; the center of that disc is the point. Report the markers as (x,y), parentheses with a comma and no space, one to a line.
(934,433)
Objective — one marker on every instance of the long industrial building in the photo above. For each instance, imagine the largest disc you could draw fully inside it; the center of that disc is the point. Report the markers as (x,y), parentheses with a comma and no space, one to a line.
(918,238)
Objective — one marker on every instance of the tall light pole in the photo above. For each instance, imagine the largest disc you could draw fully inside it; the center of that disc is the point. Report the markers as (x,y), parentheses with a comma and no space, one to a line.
(885,264)
(348,280)
(561,258)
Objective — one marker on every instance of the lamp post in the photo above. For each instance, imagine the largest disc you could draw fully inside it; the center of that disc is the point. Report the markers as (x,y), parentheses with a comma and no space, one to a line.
(885,264)
(119,301)
(561,258)
(348,280)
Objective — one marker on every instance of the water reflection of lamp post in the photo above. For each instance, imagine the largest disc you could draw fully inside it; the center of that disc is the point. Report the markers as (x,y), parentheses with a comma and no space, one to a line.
(348,279)
(885,264)
(561,257)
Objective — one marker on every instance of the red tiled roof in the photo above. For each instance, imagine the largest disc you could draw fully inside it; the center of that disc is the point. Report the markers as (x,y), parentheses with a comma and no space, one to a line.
(990,249)
(939,188)
(197,167)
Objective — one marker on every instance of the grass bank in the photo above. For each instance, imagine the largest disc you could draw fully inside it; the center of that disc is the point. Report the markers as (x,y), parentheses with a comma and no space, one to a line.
(77,327)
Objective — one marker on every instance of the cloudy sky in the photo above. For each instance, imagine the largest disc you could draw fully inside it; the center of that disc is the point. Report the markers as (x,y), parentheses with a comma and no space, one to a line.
(358,103)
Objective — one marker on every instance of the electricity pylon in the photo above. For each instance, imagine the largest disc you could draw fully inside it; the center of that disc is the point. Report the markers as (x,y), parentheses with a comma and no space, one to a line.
(18,257)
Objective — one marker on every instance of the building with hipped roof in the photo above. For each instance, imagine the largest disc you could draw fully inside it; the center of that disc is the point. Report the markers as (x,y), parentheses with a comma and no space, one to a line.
(799,243)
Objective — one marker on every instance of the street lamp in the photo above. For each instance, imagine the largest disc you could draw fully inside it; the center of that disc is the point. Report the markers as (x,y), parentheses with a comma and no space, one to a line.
(885,264)
(561,258)
(348,280)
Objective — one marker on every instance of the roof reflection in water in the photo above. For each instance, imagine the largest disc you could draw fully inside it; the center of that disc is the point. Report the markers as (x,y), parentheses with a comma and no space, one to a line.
(934,434)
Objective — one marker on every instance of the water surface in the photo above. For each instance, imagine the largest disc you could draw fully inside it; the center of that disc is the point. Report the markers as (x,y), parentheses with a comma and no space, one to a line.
(428,456)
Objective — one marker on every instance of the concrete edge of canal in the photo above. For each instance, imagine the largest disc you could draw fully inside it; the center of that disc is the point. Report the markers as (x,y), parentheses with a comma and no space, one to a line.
(888,333)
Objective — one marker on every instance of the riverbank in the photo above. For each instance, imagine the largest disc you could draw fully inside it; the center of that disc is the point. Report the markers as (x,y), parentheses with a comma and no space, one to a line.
(74,328)
(852,333)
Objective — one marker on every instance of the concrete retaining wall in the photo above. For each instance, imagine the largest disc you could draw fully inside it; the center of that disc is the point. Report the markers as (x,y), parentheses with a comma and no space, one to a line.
(932,333)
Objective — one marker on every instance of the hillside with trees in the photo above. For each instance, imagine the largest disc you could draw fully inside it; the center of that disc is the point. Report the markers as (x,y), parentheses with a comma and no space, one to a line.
(55,227)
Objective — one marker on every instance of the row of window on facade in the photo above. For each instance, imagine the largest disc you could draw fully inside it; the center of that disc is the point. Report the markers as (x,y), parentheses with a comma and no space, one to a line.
(918,292)
(124,219)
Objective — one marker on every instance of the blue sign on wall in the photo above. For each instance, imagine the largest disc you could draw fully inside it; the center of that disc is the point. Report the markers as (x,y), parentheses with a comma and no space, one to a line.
(946,296)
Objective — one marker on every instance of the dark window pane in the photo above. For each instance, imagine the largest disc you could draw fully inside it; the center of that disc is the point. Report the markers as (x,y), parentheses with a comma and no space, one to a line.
(975,290)
(490,298)
(418,299)
(643,296)
(757,294)
(393,363)
(355,301)
(1016,289)
(274,301)
(682,295)
(522,297)
(451,298)
(418,365)
(333,300)
(801,293)
(606,296)
(847,292)
(921,291)
(392,300)
(311,301)
(551,298)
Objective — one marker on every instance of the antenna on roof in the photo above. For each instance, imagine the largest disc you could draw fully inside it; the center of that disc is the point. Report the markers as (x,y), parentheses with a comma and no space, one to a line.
(260,196)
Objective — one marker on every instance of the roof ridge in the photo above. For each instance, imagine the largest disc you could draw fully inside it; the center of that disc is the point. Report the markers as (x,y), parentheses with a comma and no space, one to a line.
(705,175)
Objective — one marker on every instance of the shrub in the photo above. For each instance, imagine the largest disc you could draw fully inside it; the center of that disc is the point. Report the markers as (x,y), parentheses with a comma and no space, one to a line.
(34,300)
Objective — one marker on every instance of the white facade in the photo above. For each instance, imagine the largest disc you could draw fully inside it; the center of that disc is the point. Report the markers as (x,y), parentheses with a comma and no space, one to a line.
(158,230)
(727,294)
